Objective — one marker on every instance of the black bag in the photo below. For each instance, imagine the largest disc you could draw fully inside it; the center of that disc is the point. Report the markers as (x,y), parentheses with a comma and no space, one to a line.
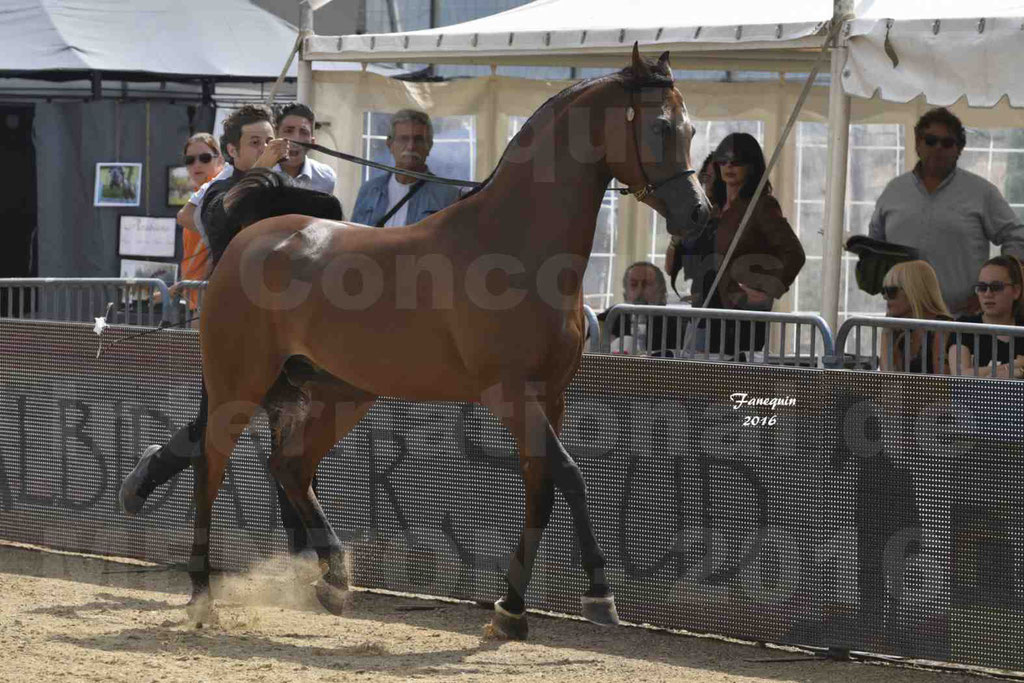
(876,258)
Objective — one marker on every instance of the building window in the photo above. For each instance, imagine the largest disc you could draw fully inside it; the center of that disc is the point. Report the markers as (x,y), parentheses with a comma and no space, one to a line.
(452,156)
(876,157)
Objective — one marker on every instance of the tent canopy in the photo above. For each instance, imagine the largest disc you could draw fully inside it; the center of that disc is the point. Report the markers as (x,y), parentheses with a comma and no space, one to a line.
(943,49)
(143,39)
(739,34)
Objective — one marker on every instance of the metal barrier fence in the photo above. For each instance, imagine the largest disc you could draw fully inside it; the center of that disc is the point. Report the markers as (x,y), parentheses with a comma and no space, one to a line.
(765,338)
(189,294)
(803,339)
(136,302)
(875,512)
(890,345)
(593,329)
(140,301)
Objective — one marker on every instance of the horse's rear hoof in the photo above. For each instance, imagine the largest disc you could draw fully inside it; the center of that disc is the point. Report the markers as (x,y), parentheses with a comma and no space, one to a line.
(200,610)
(335,600)
(600,610)
(507,626)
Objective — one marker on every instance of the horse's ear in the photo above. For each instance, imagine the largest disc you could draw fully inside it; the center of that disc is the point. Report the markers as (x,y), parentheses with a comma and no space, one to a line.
(663,62)
(640,68)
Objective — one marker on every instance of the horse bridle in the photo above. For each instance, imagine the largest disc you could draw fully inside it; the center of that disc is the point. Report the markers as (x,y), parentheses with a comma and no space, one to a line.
(648,188)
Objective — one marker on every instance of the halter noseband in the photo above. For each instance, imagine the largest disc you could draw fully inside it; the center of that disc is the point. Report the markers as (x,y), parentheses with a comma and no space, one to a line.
(648,187)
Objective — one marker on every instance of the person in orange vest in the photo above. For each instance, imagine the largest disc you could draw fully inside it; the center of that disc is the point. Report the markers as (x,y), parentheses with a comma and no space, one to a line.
(204,162)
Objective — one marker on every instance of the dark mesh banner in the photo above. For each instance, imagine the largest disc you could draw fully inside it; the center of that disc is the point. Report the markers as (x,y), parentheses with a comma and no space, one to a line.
(858,510)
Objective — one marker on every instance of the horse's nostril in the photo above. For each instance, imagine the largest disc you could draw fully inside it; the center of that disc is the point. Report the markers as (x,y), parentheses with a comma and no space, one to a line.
(698,215)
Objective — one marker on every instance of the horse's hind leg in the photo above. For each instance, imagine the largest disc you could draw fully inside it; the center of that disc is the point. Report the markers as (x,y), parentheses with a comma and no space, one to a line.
(306,423)
(222,425)
(545,464)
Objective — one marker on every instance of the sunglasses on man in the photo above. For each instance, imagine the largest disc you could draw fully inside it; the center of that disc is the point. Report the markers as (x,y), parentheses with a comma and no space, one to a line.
(994,287)
(203,158)
(932,140)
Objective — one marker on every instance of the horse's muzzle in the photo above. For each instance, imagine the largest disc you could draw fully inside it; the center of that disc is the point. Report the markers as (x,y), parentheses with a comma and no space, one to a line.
(686,208)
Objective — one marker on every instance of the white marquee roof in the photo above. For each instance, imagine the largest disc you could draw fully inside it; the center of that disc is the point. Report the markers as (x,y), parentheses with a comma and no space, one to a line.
(734,34)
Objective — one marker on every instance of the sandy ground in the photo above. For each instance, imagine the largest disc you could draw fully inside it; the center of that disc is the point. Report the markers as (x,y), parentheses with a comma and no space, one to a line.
(69,617)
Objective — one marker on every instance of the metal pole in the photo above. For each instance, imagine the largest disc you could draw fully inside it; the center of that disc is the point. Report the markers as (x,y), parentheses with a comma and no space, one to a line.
(305,68)
(835,197)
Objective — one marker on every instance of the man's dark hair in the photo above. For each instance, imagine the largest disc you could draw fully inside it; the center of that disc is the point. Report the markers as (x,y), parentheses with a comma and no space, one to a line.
(945,117)
(249,113)
(296,109)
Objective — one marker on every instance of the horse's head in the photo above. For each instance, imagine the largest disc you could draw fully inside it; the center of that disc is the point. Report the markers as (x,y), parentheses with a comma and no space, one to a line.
(657,167)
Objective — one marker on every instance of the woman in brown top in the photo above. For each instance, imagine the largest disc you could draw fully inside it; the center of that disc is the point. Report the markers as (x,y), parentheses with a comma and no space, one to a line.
(769,255)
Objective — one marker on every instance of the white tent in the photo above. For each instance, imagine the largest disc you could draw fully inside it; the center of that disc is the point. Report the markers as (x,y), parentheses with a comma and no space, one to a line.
(943,50)
(227,39)
(772,36)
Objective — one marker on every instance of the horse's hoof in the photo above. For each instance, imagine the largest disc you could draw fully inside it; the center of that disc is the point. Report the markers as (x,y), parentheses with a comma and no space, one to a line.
(200,610)
(507,626)
(600,610)
(334,599)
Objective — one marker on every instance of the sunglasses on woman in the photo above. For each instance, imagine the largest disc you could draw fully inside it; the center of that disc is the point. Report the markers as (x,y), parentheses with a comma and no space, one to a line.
(729,160)
(932,140)
(890,292)
(994,287)
(203,158)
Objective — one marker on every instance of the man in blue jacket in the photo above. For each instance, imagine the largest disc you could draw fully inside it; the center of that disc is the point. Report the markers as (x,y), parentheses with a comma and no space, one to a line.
(394,199)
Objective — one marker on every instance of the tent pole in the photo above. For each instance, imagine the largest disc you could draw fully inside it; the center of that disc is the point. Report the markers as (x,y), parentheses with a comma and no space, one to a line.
(835,197)
(305,68)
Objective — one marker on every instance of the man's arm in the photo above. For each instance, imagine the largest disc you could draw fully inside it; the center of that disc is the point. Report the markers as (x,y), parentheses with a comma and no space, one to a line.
(876,226)
(1002,225)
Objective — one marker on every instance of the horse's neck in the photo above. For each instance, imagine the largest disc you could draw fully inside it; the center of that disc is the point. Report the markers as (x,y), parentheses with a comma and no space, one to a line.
(548,201)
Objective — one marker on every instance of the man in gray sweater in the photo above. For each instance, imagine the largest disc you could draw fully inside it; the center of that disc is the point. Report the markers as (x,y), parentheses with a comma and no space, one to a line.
(950,215)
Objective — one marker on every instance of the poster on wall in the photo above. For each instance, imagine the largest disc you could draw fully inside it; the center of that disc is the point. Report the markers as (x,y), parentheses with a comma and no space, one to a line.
(146,236)
(179,186)
(133,268)
(117,184)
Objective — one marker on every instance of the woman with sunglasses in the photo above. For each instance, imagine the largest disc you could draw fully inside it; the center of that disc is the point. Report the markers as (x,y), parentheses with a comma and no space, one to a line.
(204,162)
(768,256)
(1000,287)
(911,290)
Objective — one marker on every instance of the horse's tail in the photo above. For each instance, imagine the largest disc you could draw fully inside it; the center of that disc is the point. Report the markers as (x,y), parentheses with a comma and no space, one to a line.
(264,193)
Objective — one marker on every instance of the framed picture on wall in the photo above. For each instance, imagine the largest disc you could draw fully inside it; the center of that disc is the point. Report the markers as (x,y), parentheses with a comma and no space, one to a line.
(179,186)
(146,236)
(117,184)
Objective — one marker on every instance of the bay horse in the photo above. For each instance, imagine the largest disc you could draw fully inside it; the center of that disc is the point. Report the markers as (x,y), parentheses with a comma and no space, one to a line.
(313,319)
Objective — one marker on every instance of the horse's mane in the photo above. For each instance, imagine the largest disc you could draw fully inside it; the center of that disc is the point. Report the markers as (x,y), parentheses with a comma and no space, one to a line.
(660,77)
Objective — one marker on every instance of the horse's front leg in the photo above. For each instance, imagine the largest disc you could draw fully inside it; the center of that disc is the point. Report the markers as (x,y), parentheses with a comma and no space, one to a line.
(546,464)
(598,603)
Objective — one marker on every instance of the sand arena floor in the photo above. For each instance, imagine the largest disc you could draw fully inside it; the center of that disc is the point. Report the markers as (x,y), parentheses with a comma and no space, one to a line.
(72,617)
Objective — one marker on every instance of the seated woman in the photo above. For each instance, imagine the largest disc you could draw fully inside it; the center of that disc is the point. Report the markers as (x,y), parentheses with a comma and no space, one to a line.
(999,288)
(911,290)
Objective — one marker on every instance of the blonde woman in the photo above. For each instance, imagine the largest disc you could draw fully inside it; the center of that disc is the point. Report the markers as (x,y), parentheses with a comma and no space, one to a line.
(1000,288)
(911,290)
